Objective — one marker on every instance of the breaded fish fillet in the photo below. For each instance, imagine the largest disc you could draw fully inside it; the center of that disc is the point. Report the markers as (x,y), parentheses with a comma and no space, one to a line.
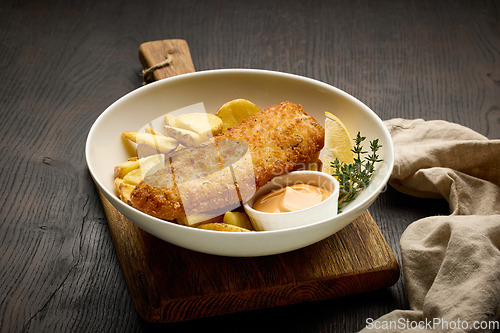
(226,171)
(279,137)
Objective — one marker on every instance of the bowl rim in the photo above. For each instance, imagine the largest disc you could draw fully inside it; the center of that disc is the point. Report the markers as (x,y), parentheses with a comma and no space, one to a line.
(171,80)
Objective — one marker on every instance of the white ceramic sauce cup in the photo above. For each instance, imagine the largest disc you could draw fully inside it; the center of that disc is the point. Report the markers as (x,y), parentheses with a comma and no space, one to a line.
(325,210)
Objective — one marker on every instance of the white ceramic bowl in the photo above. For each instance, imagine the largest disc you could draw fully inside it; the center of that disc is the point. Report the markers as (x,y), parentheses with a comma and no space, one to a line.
(327,209)
(105,148)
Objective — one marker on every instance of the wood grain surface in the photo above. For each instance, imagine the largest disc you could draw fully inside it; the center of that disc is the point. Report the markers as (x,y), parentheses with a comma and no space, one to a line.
(64,62)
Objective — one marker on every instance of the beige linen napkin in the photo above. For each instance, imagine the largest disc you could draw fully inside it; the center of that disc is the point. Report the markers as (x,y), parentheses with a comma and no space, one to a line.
(451,264)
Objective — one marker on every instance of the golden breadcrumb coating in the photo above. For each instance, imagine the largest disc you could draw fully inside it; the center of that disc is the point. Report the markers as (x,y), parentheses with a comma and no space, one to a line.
(232,166)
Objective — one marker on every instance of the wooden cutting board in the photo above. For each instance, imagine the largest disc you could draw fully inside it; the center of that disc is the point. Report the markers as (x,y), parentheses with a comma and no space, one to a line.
(170,284)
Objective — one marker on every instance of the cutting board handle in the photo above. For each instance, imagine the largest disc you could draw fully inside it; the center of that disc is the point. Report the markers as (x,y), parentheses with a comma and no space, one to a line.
(165,58)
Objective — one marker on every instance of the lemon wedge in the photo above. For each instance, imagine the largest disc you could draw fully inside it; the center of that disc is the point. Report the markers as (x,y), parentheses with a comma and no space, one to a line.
(338,143)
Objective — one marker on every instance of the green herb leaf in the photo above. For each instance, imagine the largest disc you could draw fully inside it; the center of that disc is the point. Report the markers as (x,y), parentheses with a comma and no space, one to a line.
(353,178)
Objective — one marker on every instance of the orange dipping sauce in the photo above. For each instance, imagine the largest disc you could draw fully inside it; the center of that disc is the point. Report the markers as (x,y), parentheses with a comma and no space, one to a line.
(291,198)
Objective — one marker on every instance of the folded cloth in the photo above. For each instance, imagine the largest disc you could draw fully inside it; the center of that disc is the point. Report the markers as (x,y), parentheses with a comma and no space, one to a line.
(451,264)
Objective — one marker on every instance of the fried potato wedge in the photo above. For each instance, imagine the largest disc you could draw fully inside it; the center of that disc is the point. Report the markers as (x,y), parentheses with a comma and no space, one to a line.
(134,177)
(122,169)
(170,120)
(143,150)
(162,144)
(196,219)
(117,183)
(205,124)
(238,219)
(222,227)
(185,137)
(130,173)
(152,163)
(147,164)
(234,112)
(150,130)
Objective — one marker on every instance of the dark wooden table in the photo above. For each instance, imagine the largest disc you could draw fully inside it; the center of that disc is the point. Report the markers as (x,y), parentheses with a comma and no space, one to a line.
(62,63)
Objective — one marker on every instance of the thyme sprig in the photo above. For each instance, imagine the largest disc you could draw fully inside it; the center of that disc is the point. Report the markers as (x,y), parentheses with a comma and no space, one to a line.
(353,178)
